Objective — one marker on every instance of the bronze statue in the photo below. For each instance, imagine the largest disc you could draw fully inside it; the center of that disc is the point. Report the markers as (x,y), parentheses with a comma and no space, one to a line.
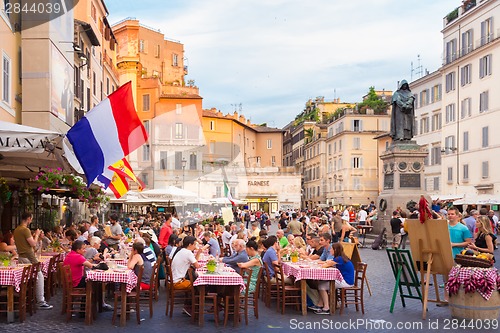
(403,113)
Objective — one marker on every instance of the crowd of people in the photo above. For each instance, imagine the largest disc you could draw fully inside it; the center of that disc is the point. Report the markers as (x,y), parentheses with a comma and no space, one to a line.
(243,243)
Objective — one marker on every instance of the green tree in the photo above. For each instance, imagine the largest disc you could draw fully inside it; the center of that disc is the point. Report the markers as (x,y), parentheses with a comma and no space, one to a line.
(374,102)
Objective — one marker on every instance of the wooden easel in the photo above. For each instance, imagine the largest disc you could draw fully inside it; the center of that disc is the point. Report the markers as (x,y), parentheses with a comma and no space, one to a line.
(405,275)
(351,250)
(431,251)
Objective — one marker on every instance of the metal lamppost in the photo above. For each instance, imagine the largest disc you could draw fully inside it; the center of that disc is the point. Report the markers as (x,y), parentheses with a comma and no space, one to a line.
(184,162)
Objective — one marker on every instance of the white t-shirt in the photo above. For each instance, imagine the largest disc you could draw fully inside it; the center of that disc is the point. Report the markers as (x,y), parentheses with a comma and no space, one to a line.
(92,229)
(175,224)
(226,237)
(362,214)
(180,264)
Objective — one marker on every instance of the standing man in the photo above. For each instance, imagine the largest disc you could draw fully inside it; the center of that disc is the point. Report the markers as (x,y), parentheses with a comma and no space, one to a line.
(460,235)
(25,243)
(336,226)
(165,231)
(396,226)
(116,232)
(470,221)
(295,227)
(362,215)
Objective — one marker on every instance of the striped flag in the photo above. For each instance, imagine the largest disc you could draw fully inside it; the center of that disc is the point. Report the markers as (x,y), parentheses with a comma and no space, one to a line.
(118,185)
(107,133)
(122,167)
(227,193)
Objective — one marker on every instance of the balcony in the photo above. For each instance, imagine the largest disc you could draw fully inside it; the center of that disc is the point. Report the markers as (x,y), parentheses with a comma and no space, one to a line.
(484,40)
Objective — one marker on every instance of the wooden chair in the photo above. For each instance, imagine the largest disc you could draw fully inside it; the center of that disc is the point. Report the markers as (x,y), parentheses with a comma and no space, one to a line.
(211,302)
(287,294)
(19,297)
(51,281)
(72,296)
(271,289)
(173,294)
(133,298)
(31,300)
(354,294)
(152,293)
(250,299)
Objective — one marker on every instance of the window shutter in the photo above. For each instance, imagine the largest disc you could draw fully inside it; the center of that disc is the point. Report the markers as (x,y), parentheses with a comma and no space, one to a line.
(481,68)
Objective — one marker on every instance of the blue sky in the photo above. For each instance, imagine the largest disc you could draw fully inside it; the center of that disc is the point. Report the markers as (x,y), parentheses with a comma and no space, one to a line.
(273,55)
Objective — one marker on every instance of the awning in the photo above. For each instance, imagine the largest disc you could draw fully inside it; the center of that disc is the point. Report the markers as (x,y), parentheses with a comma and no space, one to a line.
(25,139)
(479,199)
(24,150)
(446,197)
(169,193)
(225,201)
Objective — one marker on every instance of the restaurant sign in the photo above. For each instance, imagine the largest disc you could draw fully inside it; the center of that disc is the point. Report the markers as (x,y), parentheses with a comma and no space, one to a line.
(23,142)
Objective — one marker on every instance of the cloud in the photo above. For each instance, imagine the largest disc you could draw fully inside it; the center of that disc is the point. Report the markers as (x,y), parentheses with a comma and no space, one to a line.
(272,56)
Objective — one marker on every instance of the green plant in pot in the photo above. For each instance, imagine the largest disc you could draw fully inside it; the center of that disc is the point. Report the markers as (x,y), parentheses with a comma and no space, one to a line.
(294,256)
(5,258)
(211,266)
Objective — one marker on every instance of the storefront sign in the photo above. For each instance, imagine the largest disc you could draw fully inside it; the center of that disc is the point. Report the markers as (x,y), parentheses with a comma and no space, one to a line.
(258,183)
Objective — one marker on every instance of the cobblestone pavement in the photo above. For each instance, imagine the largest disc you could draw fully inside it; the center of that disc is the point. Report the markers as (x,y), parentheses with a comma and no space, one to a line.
(377,317)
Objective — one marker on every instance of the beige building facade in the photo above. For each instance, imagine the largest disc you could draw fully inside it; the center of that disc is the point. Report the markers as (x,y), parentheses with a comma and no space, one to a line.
(428,126)
(352,158)
(471,99)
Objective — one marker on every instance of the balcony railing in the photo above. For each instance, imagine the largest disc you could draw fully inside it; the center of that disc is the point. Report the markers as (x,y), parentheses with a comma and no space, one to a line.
(484,40)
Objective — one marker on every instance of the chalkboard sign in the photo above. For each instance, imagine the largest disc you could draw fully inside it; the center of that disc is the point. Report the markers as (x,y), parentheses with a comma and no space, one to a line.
(389,181)
(409,180)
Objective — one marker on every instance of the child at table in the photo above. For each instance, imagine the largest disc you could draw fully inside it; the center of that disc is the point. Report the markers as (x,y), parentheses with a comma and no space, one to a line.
(339,260)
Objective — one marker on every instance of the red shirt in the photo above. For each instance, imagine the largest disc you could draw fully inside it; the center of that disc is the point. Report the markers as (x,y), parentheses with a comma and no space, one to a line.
(352,216)
(75,261)
(165,232)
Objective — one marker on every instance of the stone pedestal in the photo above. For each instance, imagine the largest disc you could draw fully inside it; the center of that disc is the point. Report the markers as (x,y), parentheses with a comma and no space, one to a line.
(403,172)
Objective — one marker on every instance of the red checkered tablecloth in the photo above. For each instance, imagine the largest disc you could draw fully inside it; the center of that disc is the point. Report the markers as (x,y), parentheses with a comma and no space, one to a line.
(479,277)
(11,276)
(128,276)
(122,262)
(304,271)
(226,277)
(44,264)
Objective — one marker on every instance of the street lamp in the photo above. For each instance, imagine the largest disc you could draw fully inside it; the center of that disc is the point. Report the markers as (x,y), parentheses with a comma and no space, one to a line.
(184,162)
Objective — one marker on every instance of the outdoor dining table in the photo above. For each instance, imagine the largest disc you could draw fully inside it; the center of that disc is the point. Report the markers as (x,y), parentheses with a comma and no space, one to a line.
(11,278)
(311,270)
(127,279)
(225,276)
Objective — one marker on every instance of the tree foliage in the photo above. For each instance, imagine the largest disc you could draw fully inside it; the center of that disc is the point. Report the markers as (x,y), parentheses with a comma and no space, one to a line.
(374,102)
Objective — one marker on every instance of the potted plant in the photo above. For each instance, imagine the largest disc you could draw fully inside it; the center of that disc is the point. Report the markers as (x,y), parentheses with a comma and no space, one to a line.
(5,258)
(211,266)
(294,256)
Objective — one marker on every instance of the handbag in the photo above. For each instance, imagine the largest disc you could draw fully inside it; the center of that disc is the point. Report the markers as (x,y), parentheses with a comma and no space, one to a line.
(102,266)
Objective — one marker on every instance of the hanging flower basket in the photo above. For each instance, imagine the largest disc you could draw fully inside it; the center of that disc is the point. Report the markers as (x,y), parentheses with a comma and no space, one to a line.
(56,182)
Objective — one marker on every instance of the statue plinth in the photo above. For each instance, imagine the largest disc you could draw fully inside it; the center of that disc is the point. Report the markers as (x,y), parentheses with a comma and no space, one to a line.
(403,174)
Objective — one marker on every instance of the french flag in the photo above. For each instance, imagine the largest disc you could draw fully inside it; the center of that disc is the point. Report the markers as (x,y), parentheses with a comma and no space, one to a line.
(107,133)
